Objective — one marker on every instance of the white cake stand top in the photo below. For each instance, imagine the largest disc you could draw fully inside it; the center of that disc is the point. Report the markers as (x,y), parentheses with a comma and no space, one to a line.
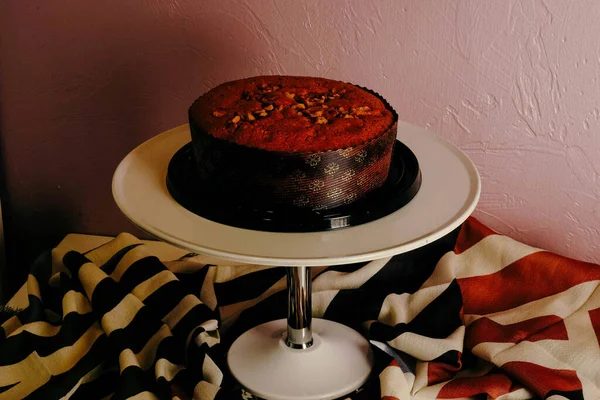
(448,195)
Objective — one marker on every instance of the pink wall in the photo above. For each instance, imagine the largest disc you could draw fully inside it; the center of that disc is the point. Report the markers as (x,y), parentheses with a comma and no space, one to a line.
(514,83)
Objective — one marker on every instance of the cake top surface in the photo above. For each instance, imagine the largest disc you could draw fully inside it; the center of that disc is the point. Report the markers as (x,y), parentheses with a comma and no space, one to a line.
(292,114)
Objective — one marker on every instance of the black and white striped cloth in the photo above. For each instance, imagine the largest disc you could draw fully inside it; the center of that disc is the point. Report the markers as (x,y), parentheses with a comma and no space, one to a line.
(118,323)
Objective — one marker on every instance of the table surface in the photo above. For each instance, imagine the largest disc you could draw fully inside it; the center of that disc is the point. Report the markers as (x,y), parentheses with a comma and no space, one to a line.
(448,195)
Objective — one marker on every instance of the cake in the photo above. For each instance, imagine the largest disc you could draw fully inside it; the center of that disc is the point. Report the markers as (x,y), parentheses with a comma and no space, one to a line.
(292,142)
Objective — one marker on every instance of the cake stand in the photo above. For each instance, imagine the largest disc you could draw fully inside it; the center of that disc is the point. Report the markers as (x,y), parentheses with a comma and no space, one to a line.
(301,358)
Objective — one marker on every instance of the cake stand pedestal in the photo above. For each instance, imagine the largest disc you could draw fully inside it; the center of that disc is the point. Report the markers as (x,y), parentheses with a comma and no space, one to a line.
(301,358)
(298,358)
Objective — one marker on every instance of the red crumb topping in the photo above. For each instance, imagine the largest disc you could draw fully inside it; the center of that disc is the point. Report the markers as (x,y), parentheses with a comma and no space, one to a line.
(292,114)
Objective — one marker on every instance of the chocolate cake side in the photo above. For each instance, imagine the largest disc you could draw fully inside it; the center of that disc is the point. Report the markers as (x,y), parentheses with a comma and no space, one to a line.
(334,165)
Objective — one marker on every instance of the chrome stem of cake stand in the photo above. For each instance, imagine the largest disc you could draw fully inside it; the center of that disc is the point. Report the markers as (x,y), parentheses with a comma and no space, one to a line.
(299,283)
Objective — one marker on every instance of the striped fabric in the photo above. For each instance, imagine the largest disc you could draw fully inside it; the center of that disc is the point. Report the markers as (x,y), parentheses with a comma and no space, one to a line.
(472,314)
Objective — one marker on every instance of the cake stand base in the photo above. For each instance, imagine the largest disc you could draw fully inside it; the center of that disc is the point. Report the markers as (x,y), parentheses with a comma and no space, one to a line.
(338,362)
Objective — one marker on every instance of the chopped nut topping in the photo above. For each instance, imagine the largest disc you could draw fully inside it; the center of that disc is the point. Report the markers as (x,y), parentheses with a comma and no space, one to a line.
(361,110)
(318,106)
(248,96)
(331,113)
(268,99)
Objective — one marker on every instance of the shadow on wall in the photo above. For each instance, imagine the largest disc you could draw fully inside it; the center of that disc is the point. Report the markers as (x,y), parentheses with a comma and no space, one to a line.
(26,228)
(3,272)
(97,93)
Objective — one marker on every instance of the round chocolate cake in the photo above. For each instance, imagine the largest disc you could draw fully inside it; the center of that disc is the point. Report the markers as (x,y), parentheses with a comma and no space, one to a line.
(299,142)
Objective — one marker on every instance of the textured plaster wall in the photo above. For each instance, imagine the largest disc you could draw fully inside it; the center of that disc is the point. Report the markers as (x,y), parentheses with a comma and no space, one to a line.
(514,83)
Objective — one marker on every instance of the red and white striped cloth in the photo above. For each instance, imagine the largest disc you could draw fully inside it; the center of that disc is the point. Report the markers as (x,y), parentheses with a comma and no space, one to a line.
(531,325)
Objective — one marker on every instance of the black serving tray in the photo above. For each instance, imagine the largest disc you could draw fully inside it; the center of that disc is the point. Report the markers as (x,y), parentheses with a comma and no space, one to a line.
(403,183)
